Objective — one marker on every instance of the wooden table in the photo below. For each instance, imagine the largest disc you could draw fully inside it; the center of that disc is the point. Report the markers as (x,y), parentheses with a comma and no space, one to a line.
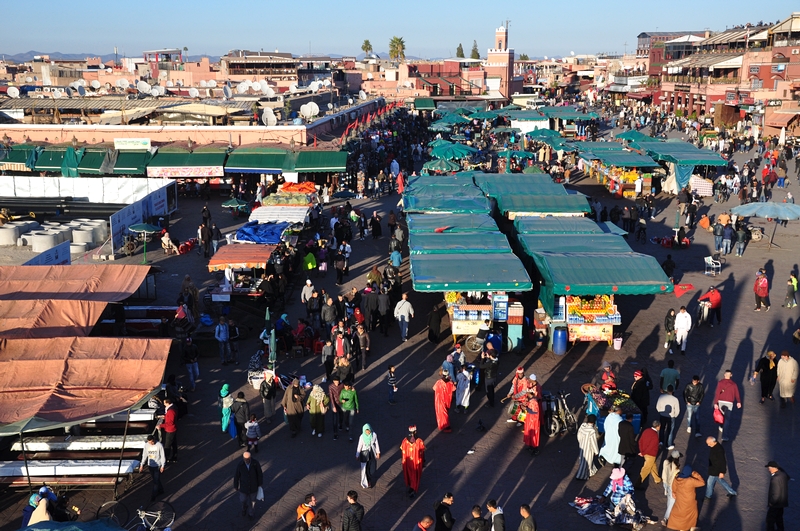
(80,443)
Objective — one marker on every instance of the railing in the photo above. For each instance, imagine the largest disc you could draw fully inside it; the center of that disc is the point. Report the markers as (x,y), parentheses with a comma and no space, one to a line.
(702,80)
(262,71)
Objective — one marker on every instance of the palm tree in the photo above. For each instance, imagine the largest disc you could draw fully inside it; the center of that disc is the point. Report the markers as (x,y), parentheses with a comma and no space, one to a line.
(397,49)
(185,53)
(366,47)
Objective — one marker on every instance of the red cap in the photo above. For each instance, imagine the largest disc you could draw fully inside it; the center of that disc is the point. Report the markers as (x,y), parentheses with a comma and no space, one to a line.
(637,373)
(458,345)
(520,369)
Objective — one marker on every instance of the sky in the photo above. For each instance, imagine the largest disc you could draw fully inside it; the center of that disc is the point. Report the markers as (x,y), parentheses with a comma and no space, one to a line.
(431,29)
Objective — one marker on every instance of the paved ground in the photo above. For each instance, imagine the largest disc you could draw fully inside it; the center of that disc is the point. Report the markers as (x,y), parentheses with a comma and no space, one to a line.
(200,486)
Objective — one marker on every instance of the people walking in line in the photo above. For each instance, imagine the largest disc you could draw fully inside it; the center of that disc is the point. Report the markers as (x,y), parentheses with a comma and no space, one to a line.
(669,329)
(478,522)
(610,449)
(717,467)
(153,457)
(787,378)
(391,380)
(241,414)
(268,392)
(684,490)
(778,496)
(527,523)
(587,442)
(224,402)
(768,367)
(683,324)
(247,479)
(413,452)
(170,427)
(348,400)
(222,335)
(368,451)
(693,395)
(444,518)
(726,395)
(791,289)
(640,395)
(497,520)
(190,357)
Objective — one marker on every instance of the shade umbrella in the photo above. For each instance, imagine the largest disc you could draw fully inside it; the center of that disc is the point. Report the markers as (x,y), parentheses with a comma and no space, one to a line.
(458,137)
(464,111)
(146,229)
(484,115)
(544,133)
(533,169)
(441,165)
(516,154)
(511,107)
(234,203)
(455,119)
(453,151)
(634,136)
(769,210)
(439,142)
(440,127)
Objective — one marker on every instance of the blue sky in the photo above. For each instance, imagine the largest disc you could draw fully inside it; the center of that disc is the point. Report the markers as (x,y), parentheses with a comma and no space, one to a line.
(430,28)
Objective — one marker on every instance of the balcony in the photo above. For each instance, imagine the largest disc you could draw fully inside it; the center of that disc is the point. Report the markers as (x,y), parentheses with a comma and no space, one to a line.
(701,80)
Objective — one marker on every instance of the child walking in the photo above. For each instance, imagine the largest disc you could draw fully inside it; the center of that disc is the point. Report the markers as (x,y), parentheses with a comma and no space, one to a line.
(391,379)
(791,290)
(253,431)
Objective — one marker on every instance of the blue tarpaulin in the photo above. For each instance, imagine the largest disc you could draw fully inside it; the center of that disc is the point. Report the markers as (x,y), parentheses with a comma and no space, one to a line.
(682,174)
(268,233)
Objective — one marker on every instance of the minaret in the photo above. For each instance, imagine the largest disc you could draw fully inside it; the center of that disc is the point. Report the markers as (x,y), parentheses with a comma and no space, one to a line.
(500,60)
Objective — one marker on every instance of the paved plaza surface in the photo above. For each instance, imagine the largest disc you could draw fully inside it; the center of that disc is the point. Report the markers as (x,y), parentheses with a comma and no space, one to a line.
(477,466)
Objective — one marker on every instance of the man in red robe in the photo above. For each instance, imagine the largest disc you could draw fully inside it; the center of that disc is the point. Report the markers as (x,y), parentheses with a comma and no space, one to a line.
(517,393)
(413,450)
(532,427)
(443,396)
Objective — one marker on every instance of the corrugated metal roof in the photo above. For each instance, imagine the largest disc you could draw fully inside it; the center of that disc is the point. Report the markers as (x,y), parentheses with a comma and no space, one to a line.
(704,60)
(114,104)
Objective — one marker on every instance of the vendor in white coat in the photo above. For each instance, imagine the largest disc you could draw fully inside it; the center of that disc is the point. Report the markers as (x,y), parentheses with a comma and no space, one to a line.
(683,323)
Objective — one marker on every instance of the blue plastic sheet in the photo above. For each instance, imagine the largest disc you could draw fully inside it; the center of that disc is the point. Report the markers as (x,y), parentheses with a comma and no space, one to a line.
(268,233)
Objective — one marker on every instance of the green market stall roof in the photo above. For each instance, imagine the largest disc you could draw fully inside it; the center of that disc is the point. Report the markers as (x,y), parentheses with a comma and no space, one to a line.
(252,161)
(18,157)
(597,146)
(556,225)
(634,136)
(132,162)
(458,242)
(597,273)
(543,204)
(681,153)
(500,188)
(573,243)
(566,113)
(424,104)
(422,181)
(50,160)
(321,161)
(533,170)
(525,116)
(624,159)
(91,162)
(450,223)
(468,272)
(446,204)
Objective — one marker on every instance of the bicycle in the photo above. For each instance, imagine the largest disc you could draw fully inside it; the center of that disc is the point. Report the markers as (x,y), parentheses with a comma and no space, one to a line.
(158,516)
(561,418)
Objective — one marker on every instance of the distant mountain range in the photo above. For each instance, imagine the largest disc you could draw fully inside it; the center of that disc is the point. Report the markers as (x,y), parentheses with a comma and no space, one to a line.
(28,56)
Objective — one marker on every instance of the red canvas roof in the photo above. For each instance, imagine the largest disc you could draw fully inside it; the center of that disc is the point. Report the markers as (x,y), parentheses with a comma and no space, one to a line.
(92,282)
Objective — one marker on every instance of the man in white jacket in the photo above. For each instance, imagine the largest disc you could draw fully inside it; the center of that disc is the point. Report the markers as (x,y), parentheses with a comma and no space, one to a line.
(403,312)
(683,323)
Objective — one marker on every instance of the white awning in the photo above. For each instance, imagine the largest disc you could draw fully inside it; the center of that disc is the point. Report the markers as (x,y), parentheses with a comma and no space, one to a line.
(274,214)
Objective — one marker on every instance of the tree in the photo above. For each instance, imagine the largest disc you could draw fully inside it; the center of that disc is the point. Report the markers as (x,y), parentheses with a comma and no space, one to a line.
(460,50)
(185,53)
(397,49)
(475,53)
(366,47)
(524,57)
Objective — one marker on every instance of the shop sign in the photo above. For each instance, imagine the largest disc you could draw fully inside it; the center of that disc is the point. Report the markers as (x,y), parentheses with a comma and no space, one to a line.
(774,103)
(132,144)
(500,308)
(682,88)
(465,328)
(591,332)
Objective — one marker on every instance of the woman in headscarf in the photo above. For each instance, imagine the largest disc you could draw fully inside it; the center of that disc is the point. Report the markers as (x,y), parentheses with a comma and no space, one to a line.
(684,490)
(768,367)
(225,401)
(293,406)
(587,441)
(375,225)
(317,406)
(368,452)
(374,277)
(669,470)
(619,486)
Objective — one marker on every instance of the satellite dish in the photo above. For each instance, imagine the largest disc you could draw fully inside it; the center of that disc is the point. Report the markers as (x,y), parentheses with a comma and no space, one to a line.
(194,93)
(95,84)
(170,84)
(13,92)
(212,84)
(315,86)
(69,92)
(81,83)
(269,92)
(362,95)
(157,91)
(162,74)
(572,53)
(203,83)
(350,101)
(263,85)
(81,91)
(73,85)
(293,88)
(122,83)
(143,87)
(313,109)
(256,87)
(242,87)
(47,89)
(109,70)
(208,93)
(330,106)
(226,91)
(28,79)
(179,82)
(369,75)
(57,94)
(36,78)
(228,84)
(303,109)
(327,82)
(268,117)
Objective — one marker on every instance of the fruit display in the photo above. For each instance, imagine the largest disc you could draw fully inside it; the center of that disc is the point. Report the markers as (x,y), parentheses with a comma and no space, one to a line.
(598,309)
(607,399)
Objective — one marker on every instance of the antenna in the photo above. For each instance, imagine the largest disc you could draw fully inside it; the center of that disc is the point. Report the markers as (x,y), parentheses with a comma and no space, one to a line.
(69,92)
(81,91)
(170,84)
(95,84)
(362,95)
(143,87)
(269,92)
(13,92)
(203,83)
(28,79)
(227,92)
(263,85)
(212,84)
(194,93)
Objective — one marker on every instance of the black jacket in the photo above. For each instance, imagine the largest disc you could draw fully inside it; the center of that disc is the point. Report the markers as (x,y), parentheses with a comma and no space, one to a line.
(498,521)
(489,368)
(717,462)
(669,320)
(477,524)
(779,489)
(352,516)
(694,394)
(240,410)
(640,394)
(444,519)
(627,439)
(247,481)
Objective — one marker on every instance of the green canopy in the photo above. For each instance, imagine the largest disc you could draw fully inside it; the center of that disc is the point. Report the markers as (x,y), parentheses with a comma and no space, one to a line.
(594,273)
(566,113)
(69,164)
(634,136)
(681,153)
(484,180)
(91,162)
(464,111)
(526,185)
(624,159)
(596,147)
(458,242)
(543,204)
(555,225)
(484,115)
(516,154)
(512,107)
(243,162)
(454,119)
(420,181)
(544,133)
(50,160)
(450,223)
(533,169)
(441,165)
(441,127)
(526,116)
(439,142)
(132,162)
(321,161)
(559,144)
(424,104)
(468,272)
(573,243)
(440,203)
(453,151)
(456,189)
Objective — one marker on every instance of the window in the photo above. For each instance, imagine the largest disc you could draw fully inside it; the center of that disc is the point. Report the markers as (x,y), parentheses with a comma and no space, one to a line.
(756,84)
(754,69)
